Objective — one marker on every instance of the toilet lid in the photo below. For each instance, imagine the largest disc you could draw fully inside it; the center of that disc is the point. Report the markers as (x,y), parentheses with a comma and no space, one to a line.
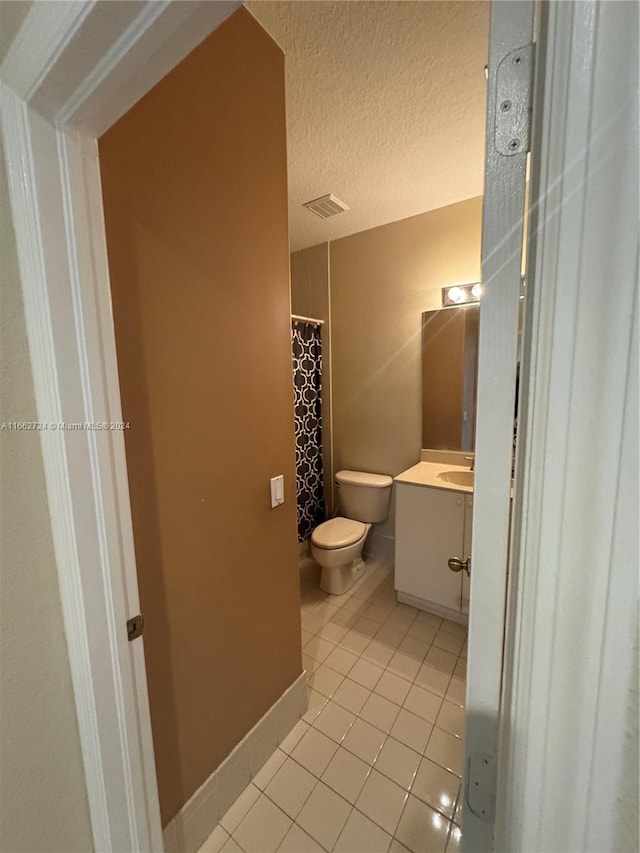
(338,533)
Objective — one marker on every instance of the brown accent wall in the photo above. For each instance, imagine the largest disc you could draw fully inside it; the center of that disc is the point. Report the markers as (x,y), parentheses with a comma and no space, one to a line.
(195,195)
(310,298)
(382,280)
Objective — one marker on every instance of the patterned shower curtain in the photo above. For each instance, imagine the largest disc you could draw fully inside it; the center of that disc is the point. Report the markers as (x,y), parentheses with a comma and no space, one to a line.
(307,384)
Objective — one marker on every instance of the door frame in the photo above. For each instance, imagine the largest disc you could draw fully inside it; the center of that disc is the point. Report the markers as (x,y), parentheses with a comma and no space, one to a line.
(51,121)
(50,124)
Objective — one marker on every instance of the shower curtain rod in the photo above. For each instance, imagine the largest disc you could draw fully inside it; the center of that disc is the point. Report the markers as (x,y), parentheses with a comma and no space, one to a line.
(307,320)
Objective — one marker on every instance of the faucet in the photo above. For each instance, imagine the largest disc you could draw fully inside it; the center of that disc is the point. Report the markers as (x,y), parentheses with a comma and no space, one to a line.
(471,459)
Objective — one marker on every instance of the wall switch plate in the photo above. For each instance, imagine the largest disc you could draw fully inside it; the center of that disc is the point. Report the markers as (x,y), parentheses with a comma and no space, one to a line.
(277,490)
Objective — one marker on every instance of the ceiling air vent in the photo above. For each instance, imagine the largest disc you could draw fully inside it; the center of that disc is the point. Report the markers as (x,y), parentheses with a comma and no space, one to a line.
(326,206)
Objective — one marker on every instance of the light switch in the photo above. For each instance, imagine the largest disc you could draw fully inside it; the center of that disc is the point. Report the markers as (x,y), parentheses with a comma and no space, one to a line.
(277,490)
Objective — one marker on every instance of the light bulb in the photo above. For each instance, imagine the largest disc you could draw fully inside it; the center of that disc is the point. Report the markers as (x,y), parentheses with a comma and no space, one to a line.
(455,294)
(476,291)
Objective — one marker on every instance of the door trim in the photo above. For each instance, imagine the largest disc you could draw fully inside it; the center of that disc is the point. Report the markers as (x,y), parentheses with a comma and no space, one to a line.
(572,640)
(511,30)
(50,125)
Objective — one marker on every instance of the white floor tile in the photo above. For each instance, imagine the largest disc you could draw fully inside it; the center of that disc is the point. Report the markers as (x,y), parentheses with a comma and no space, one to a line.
(351,695)
(404,665)
(439,659)
(263,828)
(360,690)
(401,619)
(382,801)
(396,847)
(436,787)
(423,703)
(456,628)
(290,787)
(421,829)
(216,841)
(433,679)
(315,703)
(334,721)
(398,762)
(414,648)
(325,680)
(446,750)
(314,752)
(366,673)
(449,642)
(364,740)
(309,664)
(341,660)
(346,775)
(429,619)
(323,815)
(376,652)
(269,769)
(380,712)
(451,719)
(423,631)
(361,835)
(297,841)
(461,669)
(390,637)
(411,730)
(295,736)
(345,619)
(355,642)
(333,632)
(231,820)
(318,649)
(454,843)
(392,687)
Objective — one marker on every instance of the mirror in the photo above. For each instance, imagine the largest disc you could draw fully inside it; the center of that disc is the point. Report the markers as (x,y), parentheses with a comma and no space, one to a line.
(449,377)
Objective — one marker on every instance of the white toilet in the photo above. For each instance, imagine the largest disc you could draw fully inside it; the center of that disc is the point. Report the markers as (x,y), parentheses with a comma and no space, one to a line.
(337,544)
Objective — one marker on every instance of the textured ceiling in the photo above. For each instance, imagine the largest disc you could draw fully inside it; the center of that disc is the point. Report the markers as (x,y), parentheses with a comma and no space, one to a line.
(385,107)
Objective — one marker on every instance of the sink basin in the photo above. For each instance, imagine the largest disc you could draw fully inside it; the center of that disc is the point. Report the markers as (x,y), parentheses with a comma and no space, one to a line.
(457,478)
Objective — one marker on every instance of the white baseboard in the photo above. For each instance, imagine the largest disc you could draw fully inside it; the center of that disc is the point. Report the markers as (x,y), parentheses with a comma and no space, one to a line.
(431,607)
(197,819)
(380,545)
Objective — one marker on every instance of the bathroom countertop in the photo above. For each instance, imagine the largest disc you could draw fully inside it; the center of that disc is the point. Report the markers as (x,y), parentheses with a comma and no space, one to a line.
(426,474)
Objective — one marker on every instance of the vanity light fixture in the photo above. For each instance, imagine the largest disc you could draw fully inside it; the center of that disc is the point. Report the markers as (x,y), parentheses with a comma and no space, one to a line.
(461,294)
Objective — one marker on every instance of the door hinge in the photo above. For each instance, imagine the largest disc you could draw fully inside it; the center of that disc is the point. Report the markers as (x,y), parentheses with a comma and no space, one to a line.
(135,627)
(480,785)
(514,102)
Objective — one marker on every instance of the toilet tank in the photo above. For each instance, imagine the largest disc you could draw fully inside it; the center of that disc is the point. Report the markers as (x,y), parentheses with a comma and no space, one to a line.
(364,497)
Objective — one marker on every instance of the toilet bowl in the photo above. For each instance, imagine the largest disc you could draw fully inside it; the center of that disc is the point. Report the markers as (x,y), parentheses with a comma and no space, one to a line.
(337,544)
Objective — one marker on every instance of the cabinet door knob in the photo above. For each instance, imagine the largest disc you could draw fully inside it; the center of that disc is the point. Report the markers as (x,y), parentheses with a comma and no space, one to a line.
(457,564)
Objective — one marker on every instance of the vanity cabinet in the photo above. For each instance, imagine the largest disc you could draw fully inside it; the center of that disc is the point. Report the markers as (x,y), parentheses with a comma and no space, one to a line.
(432,524)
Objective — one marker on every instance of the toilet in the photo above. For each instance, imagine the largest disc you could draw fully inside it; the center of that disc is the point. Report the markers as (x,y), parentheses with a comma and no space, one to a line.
(337,544)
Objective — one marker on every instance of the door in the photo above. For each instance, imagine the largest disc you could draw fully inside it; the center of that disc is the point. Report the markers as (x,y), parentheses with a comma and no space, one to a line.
(508,120)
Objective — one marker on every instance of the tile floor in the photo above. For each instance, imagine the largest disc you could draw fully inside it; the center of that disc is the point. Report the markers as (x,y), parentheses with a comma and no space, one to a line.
(375,764)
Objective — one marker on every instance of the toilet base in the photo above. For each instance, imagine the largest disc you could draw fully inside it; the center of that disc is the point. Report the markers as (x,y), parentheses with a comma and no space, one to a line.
(339,579)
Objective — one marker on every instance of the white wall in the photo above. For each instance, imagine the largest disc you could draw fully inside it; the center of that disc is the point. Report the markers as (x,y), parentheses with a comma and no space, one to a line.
(43,801)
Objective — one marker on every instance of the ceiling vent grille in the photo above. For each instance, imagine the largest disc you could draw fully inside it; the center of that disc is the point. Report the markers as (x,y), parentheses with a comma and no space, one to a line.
(326,206)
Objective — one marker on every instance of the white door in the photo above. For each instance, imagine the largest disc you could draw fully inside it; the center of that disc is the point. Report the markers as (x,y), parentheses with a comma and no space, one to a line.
(508,113)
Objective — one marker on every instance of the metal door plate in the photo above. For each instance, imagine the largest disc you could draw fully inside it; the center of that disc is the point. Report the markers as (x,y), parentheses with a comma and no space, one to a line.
(514,80)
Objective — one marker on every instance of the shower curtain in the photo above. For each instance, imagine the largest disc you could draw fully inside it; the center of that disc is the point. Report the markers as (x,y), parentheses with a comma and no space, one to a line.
(307,384)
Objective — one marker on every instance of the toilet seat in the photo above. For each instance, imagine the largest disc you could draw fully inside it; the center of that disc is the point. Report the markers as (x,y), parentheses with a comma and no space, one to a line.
(338,533)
